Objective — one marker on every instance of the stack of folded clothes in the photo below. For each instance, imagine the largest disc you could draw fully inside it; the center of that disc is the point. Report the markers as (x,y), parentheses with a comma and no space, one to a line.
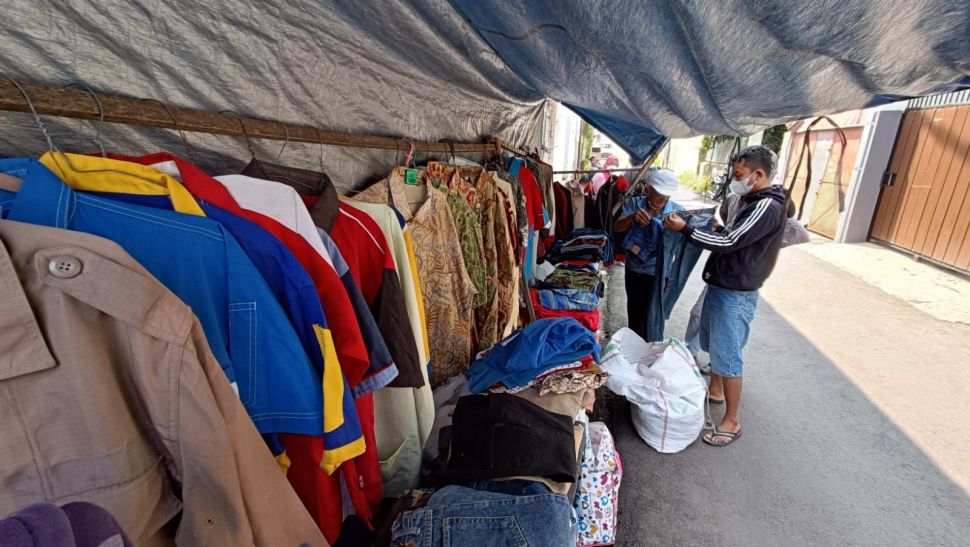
(509,441)
(579,304)
(565,276)
(584,244)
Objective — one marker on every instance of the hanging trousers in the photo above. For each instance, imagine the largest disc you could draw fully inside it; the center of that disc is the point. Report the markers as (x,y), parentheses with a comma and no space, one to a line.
(639,292)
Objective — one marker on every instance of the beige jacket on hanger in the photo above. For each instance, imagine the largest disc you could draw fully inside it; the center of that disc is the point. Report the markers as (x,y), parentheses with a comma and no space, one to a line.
(109,394)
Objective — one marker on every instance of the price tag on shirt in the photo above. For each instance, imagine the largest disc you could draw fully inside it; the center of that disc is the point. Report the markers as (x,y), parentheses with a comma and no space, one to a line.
(411,177)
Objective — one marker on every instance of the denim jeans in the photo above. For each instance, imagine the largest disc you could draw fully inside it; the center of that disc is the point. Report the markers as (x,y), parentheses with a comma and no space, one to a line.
(686,257)
(725,325)
(692,335)
(681,259)
(456,516)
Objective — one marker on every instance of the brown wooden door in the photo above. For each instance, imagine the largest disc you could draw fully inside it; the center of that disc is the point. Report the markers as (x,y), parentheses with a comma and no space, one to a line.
(926,209)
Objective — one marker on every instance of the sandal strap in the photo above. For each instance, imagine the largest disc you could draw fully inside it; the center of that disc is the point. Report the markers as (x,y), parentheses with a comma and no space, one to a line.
(728,434)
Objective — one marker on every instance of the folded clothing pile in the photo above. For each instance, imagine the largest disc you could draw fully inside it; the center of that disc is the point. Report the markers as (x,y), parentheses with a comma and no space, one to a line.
(585,244)
(532,351)
(584,277)
(578,304)
(510,453)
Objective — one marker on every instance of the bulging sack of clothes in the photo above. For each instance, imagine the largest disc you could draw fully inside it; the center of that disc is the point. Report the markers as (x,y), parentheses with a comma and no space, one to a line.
(664,385)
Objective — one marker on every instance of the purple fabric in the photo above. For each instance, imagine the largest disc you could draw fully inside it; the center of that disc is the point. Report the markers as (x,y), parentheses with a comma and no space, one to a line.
(39,525)
(92,525)
(78,524)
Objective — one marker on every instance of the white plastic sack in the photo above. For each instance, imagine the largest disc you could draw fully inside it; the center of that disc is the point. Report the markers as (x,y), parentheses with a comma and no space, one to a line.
(664,385)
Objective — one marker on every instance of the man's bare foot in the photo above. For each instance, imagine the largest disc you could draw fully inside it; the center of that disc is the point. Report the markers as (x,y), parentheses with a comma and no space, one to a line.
(725,433)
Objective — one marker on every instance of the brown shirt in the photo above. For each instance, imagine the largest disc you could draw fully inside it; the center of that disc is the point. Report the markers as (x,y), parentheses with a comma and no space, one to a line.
(110,394)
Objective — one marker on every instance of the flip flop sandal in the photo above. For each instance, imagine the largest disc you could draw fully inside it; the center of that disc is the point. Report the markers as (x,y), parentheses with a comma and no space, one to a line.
(732,436)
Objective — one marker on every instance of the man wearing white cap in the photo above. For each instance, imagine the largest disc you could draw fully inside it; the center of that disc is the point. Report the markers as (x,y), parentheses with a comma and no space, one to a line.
(642,220)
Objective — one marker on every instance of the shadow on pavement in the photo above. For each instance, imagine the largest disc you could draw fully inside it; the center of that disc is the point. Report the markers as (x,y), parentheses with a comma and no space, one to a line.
(818,464)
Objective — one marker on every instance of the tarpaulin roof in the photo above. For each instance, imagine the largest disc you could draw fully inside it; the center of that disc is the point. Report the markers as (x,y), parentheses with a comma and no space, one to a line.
(399,68)
(431,69)
(677,68)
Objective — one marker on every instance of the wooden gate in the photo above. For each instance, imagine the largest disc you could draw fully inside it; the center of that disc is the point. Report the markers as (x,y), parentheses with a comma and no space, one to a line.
(832,165)
(925,202)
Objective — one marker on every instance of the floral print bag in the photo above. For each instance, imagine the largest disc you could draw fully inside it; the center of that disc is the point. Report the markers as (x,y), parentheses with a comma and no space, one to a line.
(597,498)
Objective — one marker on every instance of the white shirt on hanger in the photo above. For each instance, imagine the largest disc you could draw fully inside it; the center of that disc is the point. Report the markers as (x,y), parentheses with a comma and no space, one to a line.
(279,202)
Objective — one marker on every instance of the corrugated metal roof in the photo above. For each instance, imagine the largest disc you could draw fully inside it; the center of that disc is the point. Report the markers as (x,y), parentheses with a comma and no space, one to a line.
(936,101)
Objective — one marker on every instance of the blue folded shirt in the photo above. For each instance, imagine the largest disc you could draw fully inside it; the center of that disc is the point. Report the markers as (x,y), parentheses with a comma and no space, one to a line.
(528,353)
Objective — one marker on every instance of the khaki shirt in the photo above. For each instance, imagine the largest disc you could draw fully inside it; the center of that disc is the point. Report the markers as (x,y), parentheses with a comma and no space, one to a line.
(109,394)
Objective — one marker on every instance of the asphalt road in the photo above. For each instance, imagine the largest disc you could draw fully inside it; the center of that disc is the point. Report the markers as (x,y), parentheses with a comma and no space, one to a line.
(854,411)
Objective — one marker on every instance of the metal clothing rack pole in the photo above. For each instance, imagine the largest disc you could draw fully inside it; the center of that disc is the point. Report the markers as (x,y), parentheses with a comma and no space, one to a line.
(594,171)
(50,100)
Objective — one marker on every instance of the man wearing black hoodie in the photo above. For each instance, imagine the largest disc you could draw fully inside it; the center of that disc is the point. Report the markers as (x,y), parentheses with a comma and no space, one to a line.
(743,254)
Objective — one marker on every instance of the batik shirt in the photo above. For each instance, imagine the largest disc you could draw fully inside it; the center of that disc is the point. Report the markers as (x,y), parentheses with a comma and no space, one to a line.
(449,293)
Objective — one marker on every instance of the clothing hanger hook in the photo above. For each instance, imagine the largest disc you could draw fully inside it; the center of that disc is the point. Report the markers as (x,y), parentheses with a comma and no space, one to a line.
(320,136)
(407,161)
(249,143)
(175,125)
(451,147)
(40,122)
(97,101)
(286,134)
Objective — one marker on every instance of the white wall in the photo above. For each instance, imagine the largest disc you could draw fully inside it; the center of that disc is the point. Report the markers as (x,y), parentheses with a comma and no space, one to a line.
(680,155)
(875,150)
(565,149)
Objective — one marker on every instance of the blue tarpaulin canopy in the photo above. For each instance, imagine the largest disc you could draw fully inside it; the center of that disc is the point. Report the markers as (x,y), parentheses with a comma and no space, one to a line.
(637,70)
(640,71)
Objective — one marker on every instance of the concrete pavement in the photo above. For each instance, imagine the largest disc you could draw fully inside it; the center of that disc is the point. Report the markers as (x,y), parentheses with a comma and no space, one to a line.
(853,415)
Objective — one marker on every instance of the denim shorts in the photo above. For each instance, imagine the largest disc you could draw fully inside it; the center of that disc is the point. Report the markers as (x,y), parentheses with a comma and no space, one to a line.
(725,325)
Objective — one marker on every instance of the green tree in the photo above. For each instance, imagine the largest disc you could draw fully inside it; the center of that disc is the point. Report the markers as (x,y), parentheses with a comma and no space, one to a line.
(585,145)
(774,136)
(708,142)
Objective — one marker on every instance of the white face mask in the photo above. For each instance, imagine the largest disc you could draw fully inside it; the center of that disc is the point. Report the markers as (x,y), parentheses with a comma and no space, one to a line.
(742,186)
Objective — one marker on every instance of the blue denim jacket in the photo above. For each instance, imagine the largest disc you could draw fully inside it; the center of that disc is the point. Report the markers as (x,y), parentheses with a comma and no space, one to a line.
(197,259)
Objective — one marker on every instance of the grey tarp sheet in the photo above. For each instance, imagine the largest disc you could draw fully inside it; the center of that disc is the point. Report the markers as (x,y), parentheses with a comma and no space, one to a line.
(392,67)
(639,70)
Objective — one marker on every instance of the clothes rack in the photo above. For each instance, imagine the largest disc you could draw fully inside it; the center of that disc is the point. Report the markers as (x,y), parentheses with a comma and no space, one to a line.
(594,171)
(52,100)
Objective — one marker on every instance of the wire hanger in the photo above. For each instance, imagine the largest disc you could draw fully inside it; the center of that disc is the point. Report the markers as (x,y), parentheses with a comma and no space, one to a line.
(451,147)
(175,125)
(56,153)
(249,143)
(40,123)
(286,133)
(97,101)
(320,136)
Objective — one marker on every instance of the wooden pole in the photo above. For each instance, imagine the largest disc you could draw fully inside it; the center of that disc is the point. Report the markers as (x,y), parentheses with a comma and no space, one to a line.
(71,103)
